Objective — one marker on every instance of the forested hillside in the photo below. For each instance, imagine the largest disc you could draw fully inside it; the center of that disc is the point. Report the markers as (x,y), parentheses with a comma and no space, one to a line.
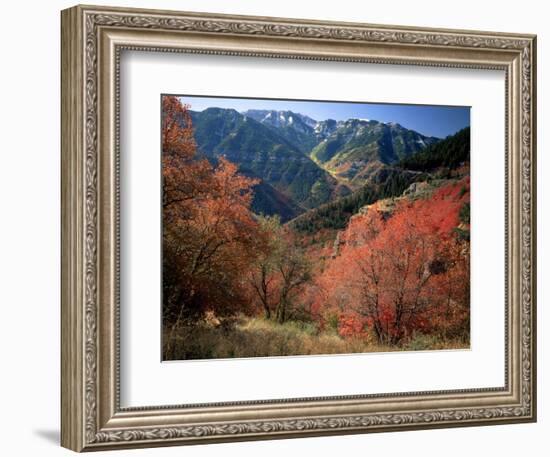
(451,152)
(388,182)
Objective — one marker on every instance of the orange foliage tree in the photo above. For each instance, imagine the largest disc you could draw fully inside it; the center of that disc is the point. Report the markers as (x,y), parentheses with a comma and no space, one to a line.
(402,271)
(210,237)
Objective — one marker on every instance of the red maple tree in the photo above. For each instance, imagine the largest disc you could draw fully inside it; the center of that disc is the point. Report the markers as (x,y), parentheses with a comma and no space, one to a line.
(401,271)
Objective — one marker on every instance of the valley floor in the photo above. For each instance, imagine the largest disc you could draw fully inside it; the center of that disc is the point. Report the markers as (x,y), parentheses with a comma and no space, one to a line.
(258,337)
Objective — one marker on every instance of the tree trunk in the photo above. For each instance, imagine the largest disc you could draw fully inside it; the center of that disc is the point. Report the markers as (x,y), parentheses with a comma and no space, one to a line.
(281,311)
(265,298)
(176,324)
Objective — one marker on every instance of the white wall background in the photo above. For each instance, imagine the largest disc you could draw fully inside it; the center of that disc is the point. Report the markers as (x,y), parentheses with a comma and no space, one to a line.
(29,228)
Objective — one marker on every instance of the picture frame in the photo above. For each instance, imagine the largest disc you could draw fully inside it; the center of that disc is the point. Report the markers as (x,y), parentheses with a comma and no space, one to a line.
(93,39)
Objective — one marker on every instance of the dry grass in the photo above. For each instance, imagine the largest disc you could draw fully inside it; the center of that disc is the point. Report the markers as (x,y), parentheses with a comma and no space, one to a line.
(257,337)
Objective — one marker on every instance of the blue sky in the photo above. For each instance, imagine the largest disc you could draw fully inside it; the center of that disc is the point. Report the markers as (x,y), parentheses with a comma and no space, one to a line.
(429,120)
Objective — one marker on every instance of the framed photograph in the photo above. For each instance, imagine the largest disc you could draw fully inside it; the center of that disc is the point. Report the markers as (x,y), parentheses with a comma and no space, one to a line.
(276,228)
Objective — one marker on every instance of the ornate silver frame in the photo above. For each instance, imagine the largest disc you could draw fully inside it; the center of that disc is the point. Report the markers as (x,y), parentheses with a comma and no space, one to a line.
(92,40)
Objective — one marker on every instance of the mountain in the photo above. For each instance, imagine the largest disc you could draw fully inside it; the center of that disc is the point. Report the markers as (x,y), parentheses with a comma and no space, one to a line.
(281,118)
(351,150)
(296,128)
(303,163)
(263,152)
(324,129)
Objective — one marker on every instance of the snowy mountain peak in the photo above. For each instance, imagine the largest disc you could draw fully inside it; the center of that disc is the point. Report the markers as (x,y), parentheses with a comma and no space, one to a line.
(281,118)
